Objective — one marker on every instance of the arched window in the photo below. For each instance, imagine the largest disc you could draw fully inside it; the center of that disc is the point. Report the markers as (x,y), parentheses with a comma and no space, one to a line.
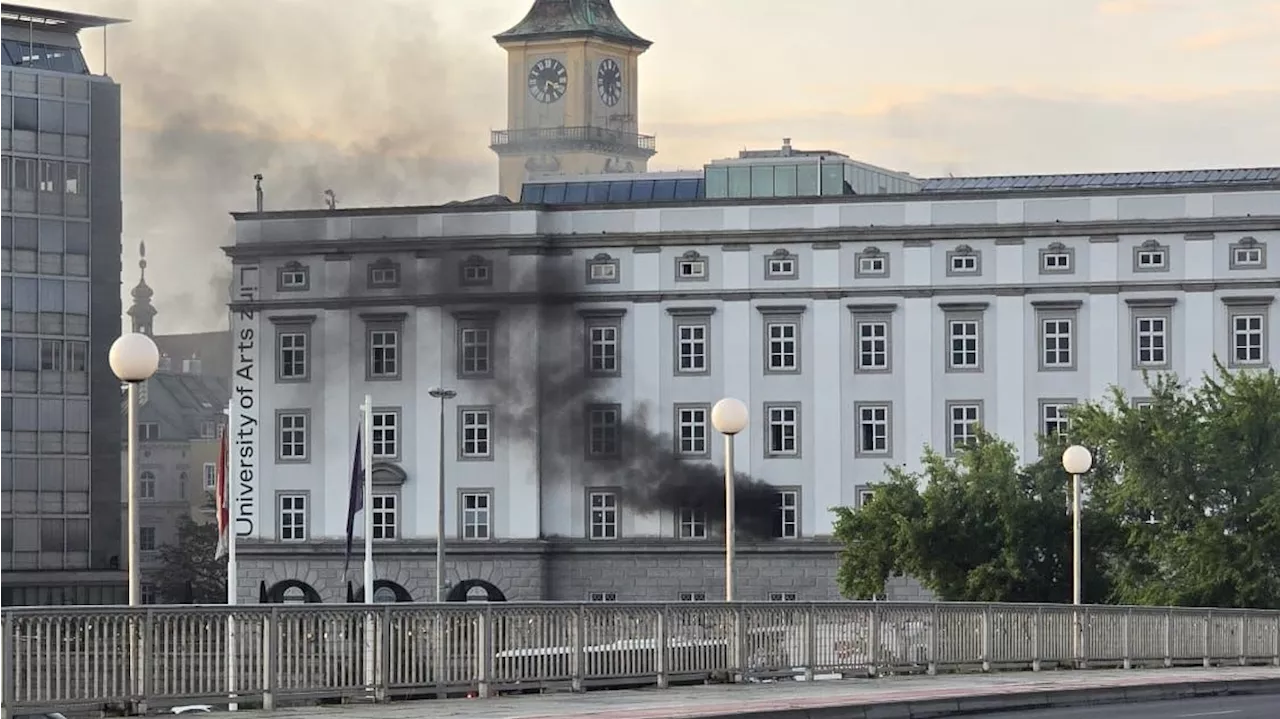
(147,485)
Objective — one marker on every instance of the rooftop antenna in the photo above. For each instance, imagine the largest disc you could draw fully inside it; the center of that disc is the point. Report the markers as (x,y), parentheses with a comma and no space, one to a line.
(330,200)
(257,188)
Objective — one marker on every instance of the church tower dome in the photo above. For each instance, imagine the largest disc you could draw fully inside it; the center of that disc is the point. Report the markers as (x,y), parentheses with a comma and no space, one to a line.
(142,313)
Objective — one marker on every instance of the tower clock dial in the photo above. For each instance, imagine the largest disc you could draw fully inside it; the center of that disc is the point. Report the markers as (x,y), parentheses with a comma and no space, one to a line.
(548,80)
(609,81)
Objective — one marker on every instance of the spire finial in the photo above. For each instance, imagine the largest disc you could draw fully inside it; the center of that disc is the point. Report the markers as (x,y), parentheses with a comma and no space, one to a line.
(142,259)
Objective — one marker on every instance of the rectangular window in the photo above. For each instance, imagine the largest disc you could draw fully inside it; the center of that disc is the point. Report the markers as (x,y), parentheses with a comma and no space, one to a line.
(780,266)
(965,351)
(691,266)
(147,485)
(292,353)
(210,476)
(603,515)
(384,274)
(293,428)
(964,262)
(477,518)
(384,353)
(386,433)
(783,427)
(693,596)
(77,356)
(1150,256)
(293,518)
(476,440)
(602,270)
(384,516)
(783,353)
(293,276)
(873,429)
(602,597)
(1151,341)
(24,174)
(1057,345)
(50,176)
(692,524)
(1055,261)
(872,264)
(788,524)
(603,429)
(602,347)
(873,345)
(77,179)
(148,431)
(476,271)
(964,418)
(146,539)
(51,355)
(1053,417)
(1248,254)
(1248,338)
(691,430)
(691,347)
(782,596)
(475,349)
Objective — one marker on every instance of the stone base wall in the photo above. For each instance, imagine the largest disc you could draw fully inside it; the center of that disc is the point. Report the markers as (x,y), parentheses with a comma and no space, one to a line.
(565,570)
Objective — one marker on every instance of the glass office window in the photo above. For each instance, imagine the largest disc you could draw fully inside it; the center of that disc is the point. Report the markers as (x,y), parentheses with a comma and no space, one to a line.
(762,181)
(832,179)
(717,182)
(784,181)
(739,182)
(807,180)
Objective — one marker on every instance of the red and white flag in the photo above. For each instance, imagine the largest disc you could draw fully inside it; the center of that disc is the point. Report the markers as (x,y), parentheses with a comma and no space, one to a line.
(221,498)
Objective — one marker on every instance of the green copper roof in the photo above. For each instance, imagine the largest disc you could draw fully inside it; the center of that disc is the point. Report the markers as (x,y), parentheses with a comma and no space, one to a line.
(550,19)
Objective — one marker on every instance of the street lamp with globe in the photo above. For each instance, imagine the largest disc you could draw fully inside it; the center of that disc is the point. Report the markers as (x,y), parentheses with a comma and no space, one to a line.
(1076,460)
(134,357)
(729,417)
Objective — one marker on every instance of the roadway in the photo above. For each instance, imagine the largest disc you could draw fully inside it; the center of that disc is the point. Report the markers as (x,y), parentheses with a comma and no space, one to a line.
(1230,707)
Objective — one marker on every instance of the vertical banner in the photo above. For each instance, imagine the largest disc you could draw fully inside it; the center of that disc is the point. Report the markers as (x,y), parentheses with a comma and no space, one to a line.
(245,429)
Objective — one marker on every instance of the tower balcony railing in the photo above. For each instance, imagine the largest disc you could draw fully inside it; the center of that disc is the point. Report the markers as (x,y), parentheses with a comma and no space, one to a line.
(557,137)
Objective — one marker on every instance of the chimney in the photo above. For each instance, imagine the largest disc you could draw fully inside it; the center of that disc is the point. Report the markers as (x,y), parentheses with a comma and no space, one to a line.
(786,147)
(257,189)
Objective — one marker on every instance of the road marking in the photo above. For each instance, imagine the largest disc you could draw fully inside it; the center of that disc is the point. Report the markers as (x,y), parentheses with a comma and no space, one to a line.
(1210,714)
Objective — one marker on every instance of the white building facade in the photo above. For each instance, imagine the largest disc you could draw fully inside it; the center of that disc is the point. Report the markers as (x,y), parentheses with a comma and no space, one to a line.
(857,330)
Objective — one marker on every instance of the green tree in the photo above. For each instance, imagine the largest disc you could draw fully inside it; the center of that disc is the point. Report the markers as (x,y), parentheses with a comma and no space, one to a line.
(1191,483)
(191,574)
(982,529)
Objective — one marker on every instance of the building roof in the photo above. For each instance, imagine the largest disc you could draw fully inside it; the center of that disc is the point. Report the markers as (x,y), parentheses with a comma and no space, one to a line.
(1105,180)
(554,19)
(213,349)
(180,403)
(53,20)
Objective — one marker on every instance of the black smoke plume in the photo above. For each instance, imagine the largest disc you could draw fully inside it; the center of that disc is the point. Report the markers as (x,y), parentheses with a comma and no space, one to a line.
(549,406)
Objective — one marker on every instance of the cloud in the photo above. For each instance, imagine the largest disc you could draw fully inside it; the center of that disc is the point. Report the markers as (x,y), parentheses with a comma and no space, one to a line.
(1127,7)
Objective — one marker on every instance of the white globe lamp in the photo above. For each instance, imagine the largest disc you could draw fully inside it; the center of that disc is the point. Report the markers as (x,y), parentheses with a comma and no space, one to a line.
(134,357)
(729,416)
(1077,459)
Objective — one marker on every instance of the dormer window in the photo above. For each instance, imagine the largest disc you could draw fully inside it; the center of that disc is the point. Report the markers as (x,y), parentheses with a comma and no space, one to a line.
(781,265)
(476,271)
(1056,259)
(963,260)
(293,277)
(691,267)
(602,269)
(384,273)
(872,262)
(1150,256)
(1248,254)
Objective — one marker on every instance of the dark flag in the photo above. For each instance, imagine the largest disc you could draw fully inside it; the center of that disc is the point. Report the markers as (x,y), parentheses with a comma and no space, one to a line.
(356,502)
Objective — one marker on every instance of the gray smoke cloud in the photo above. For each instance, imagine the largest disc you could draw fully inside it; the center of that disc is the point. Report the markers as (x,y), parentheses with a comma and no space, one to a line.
(372,100)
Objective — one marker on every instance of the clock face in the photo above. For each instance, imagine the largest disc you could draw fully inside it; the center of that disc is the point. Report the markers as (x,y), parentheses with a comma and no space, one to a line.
(609,82)
(547,80)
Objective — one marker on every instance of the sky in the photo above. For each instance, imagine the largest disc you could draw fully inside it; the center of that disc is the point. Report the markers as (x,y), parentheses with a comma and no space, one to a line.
(391,101)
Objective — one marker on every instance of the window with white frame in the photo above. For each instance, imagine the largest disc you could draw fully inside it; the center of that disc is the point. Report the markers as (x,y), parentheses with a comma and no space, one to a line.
(147,431)
(1248,337)
(386,433)
(477,516)
(602,269)
(780,265)
(293,435)
(293,518)
(385,516)
(965,335)
(147,539)
(384,273)
(1248,254)
(1056,259)
(1151,340)
(873,429)
(873,345)
(292,355)
(964,261)
(871,262)
(782,597)
(1053,418)
(1150,256)
(475,345)
(691,430)
(384,352)
(147,484)
(692,524)
(691,347)
(1056,342)
(783,338)
(602,597)
(293,276)
(207,429)
(865,496)
(964,419)
(602,347)
(693,596)
(476,270)
(603,429)
(788,524)
(210,476)
(477,435)
(784,430)
(603,515)
(691,266)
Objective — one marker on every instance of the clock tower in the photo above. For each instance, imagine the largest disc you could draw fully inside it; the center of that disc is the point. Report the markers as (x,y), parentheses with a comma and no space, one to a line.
(572,69)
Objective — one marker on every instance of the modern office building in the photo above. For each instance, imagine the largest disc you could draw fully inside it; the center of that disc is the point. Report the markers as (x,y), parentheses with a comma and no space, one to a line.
(61,311)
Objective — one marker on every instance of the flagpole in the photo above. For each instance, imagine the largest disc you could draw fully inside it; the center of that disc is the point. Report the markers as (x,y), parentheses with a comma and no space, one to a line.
(367,446)
(229,494)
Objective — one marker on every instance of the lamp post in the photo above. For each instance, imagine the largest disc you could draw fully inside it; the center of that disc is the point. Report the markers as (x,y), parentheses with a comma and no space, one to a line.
(1076,460)
(443,395)
(729,417)
(134,357)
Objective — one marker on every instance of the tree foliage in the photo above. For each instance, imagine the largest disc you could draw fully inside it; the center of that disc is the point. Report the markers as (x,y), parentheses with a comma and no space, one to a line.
(191,574)
(1182,507)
